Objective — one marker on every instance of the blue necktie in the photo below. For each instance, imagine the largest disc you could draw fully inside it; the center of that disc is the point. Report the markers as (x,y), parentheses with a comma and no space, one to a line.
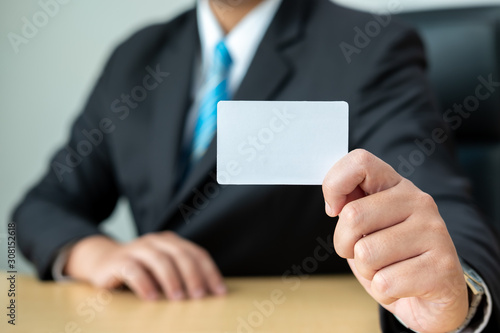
(214,90)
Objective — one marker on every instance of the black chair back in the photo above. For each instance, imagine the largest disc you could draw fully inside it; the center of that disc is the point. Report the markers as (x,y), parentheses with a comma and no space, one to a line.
(463,48)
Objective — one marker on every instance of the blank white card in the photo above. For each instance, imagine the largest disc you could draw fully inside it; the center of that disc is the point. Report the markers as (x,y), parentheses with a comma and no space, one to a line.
(281,143)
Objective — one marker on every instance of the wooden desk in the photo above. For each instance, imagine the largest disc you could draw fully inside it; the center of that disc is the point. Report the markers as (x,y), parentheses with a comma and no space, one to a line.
(318,304)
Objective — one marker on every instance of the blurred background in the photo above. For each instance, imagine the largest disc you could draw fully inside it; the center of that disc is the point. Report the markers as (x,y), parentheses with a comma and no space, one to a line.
(46,82)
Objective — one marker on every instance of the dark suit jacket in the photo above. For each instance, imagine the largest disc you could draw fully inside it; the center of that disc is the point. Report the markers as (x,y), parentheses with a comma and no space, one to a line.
(249,230)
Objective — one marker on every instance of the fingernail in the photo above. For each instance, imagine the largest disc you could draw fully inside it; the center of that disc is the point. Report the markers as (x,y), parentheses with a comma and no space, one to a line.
(198,293)
(328,209)
(221,289)
(177,295)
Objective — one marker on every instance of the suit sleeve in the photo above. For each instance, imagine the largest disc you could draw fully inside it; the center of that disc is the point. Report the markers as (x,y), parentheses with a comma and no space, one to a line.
(77,192)
(400,123)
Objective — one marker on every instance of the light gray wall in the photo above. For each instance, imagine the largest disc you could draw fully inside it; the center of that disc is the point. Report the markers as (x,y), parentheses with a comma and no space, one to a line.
(45,84)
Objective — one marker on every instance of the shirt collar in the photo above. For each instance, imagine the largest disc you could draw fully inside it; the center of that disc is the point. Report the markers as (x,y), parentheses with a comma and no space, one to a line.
(242,41)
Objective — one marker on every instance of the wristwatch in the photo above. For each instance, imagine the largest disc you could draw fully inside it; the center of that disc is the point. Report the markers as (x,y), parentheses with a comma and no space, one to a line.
(476,293)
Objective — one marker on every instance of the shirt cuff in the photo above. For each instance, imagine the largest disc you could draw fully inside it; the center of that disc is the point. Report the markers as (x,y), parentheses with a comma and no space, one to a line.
(480,319)
(60,263)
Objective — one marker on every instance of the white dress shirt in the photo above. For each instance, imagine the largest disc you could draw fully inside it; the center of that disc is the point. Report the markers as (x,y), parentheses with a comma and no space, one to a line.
(242,43)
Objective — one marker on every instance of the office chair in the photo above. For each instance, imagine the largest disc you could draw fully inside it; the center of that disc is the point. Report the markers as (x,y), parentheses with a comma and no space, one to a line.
(463,49)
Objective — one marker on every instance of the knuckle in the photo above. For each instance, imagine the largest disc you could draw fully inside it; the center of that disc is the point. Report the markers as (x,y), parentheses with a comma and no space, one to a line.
(337,241)
(426,200)
(447,263)
(432,260)
(138,280)
(351,215)
(433,226)
(363,252)
(171,278)
(131,272)
(381,286)
(145,240)
(328,185)
(138,251)
(185,261)
(192,279)
(341,243)
(101,283)
(362,157)
(407,186)
(156,255)
(179,252)
(102,280)
(438,227)
(203,254)
(171,281)
(150,236)
(169,234)
(341,251)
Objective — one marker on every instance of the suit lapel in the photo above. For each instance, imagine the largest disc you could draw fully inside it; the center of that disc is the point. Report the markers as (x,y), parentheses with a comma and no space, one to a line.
(267,74)
(170,106)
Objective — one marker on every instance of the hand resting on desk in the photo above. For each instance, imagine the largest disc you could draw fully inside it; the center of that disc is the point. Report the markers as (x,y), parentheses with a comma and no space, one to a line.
(153,265)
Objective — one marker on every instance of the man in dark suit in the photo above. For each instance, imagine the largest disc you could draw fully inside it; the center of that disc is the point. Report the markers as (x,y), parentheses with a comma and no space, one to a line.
(136,136)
